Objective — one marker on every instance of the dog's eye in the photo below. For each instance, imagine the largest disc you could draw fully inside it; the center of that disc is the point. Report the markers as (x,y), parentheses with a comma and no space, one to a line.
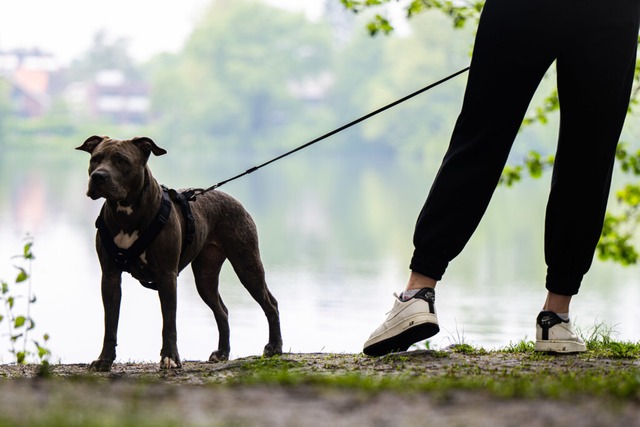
(94,160)
(122,161)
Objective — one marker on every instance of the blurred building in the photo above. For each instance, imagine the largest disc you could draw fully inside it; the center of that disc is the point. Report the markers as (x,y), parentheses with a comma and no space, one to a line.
(35,80)
(110,95)
(29,73)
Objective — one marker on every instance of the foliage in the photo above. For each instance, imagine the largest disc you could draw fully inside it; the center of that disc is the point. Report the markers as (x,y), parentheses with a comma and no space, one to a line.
(19,325)
(620,229)
(372,72)
(459,11)
(252,77)
(234,81)
(534,163)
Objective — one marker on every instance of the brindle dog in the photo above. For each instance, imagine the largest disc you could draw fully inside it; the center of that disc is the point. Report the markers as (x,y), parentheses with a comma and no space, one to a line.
(118,172)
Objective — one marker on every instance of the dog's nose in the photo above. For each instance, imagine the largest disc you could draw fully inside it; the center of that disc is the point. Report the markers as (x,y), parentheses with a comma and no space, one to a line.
(99,177)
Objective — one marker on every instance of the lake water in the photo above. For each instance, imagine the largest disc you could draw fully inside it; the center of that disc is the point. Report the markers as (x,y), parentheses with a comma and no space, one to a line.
(335,239)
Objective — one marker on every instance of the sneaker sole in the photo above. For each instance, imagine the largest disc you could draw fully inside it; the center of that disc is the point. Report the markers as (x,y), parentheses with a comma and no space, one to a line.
(560,347)
(403,340)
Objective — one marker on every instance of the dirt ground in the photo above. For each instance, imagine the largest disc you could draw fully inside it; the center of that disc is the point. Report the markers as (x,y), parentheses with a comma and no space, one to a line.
(228,394)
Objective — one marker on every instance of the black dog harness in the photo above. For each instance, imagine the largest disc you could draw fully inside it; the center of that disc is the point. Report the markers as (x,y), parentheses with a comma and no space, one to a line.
(124,257)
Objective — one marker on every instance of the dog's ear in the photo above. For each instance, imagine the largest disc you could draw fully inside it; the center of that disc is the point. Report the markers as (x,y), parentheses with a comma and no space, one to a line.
(147,145)
(91,143)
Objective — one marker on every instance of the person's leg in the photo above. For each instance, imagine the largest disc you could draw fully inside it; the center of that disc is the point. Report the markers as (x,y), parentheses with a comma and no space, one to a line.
(595,73)
(557,303)
(418,281)
(510,57)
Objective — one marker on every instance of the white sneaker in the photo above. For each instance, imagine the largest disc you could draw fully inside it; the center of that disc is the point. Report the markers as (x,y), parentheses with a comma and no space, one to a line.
(553,334)
(407,323)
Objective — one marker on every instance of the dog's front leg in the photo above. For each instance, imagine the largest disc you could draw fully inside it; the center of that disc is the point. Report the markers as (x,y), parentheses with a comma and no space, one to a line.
(167,290)
(111,296)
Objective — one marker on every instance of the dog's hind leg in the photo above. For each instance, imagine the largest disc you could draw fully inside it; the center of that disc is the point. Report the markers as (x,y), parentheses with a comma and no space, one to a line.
(248,267)
(206,270)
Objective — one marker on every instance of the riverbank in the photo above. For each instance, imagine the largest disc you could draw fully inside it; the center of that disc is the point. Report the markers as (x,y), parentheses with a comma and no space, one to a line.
(455,387)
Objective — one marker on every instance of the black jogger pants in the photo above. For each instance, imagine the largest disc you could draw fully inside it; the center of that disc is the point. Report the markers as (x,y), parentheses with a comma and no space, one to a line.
(594,44)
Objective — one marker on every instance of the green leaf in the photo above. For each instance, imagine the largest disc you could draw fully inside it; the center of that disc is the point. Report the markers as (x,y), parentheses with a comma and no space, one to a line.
(379,24)
(5,288)
(22,275)
(615,243)
(27,251)
(629,195)
(416,7)
(42,351)
(510,175)
(21,357)
(353,5)
(19,321)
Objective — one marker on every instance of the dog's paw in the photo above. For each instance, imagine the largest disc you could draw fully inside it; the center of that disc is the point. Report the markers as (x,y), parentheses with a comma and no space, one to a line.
(168,363)
(101,365)
(219,356)
(272,349)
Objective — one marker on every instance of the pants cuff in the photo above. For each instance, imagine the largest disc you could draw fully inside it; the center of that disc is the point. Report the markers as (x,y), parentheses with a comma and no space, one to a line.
(563,284)
(427,265)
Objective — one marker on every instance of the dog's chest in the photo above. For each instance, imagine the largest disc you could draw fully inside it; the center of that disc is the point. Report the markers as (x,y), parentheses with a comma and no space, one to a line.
(126,240)
(142,267)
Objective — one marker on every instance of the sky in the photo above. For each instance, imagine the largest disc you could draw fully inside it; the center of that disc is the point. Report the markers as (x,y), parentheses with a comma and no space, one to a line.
(65,28)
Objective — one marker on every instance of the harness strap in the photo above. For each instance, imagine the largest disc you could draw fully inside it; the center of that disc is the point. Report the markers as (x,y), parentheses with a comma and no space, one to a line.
(123,257)
(183,199)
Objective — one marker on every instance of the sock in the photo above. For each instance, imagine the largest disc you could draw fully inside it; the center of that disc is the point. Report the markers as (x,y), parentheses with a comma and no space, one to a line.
(563,316)
(407,295)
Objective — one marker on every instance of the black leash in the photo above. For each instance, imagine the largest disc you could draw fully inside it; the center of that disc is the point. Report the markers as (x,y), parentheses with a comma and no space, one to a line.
(198,191)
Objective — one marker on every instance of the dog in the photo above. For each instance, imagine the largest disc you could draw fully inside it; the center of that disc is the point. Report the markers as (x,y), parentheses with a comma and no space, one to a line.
(153,233)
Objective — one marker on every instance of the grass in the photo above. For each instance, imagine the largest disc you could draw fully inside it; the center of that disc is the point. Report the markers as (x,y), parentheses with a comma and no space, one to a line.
(519,382)
(600,343)
(527,375)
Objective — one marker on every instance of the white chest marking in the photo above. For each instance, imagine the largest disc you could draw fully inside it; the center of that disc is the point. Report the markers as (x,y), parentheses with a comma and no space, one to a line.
(126,209)
(124,240)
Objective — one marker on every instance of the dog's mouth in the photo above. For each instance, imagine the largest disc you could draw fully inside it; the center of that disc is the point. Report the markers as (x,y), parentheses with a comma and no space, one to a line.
(95,194)
(111,195)
(106,188)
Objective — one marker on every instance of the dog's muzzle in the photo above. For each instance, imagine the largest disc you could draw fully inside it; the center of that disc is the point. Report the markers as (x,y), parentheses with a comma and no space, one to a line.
(101,185)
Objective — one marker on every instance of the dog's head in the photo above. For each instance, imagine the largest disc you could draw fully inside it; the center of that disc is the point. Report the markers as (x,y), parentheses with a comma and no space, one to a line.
(118,169)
